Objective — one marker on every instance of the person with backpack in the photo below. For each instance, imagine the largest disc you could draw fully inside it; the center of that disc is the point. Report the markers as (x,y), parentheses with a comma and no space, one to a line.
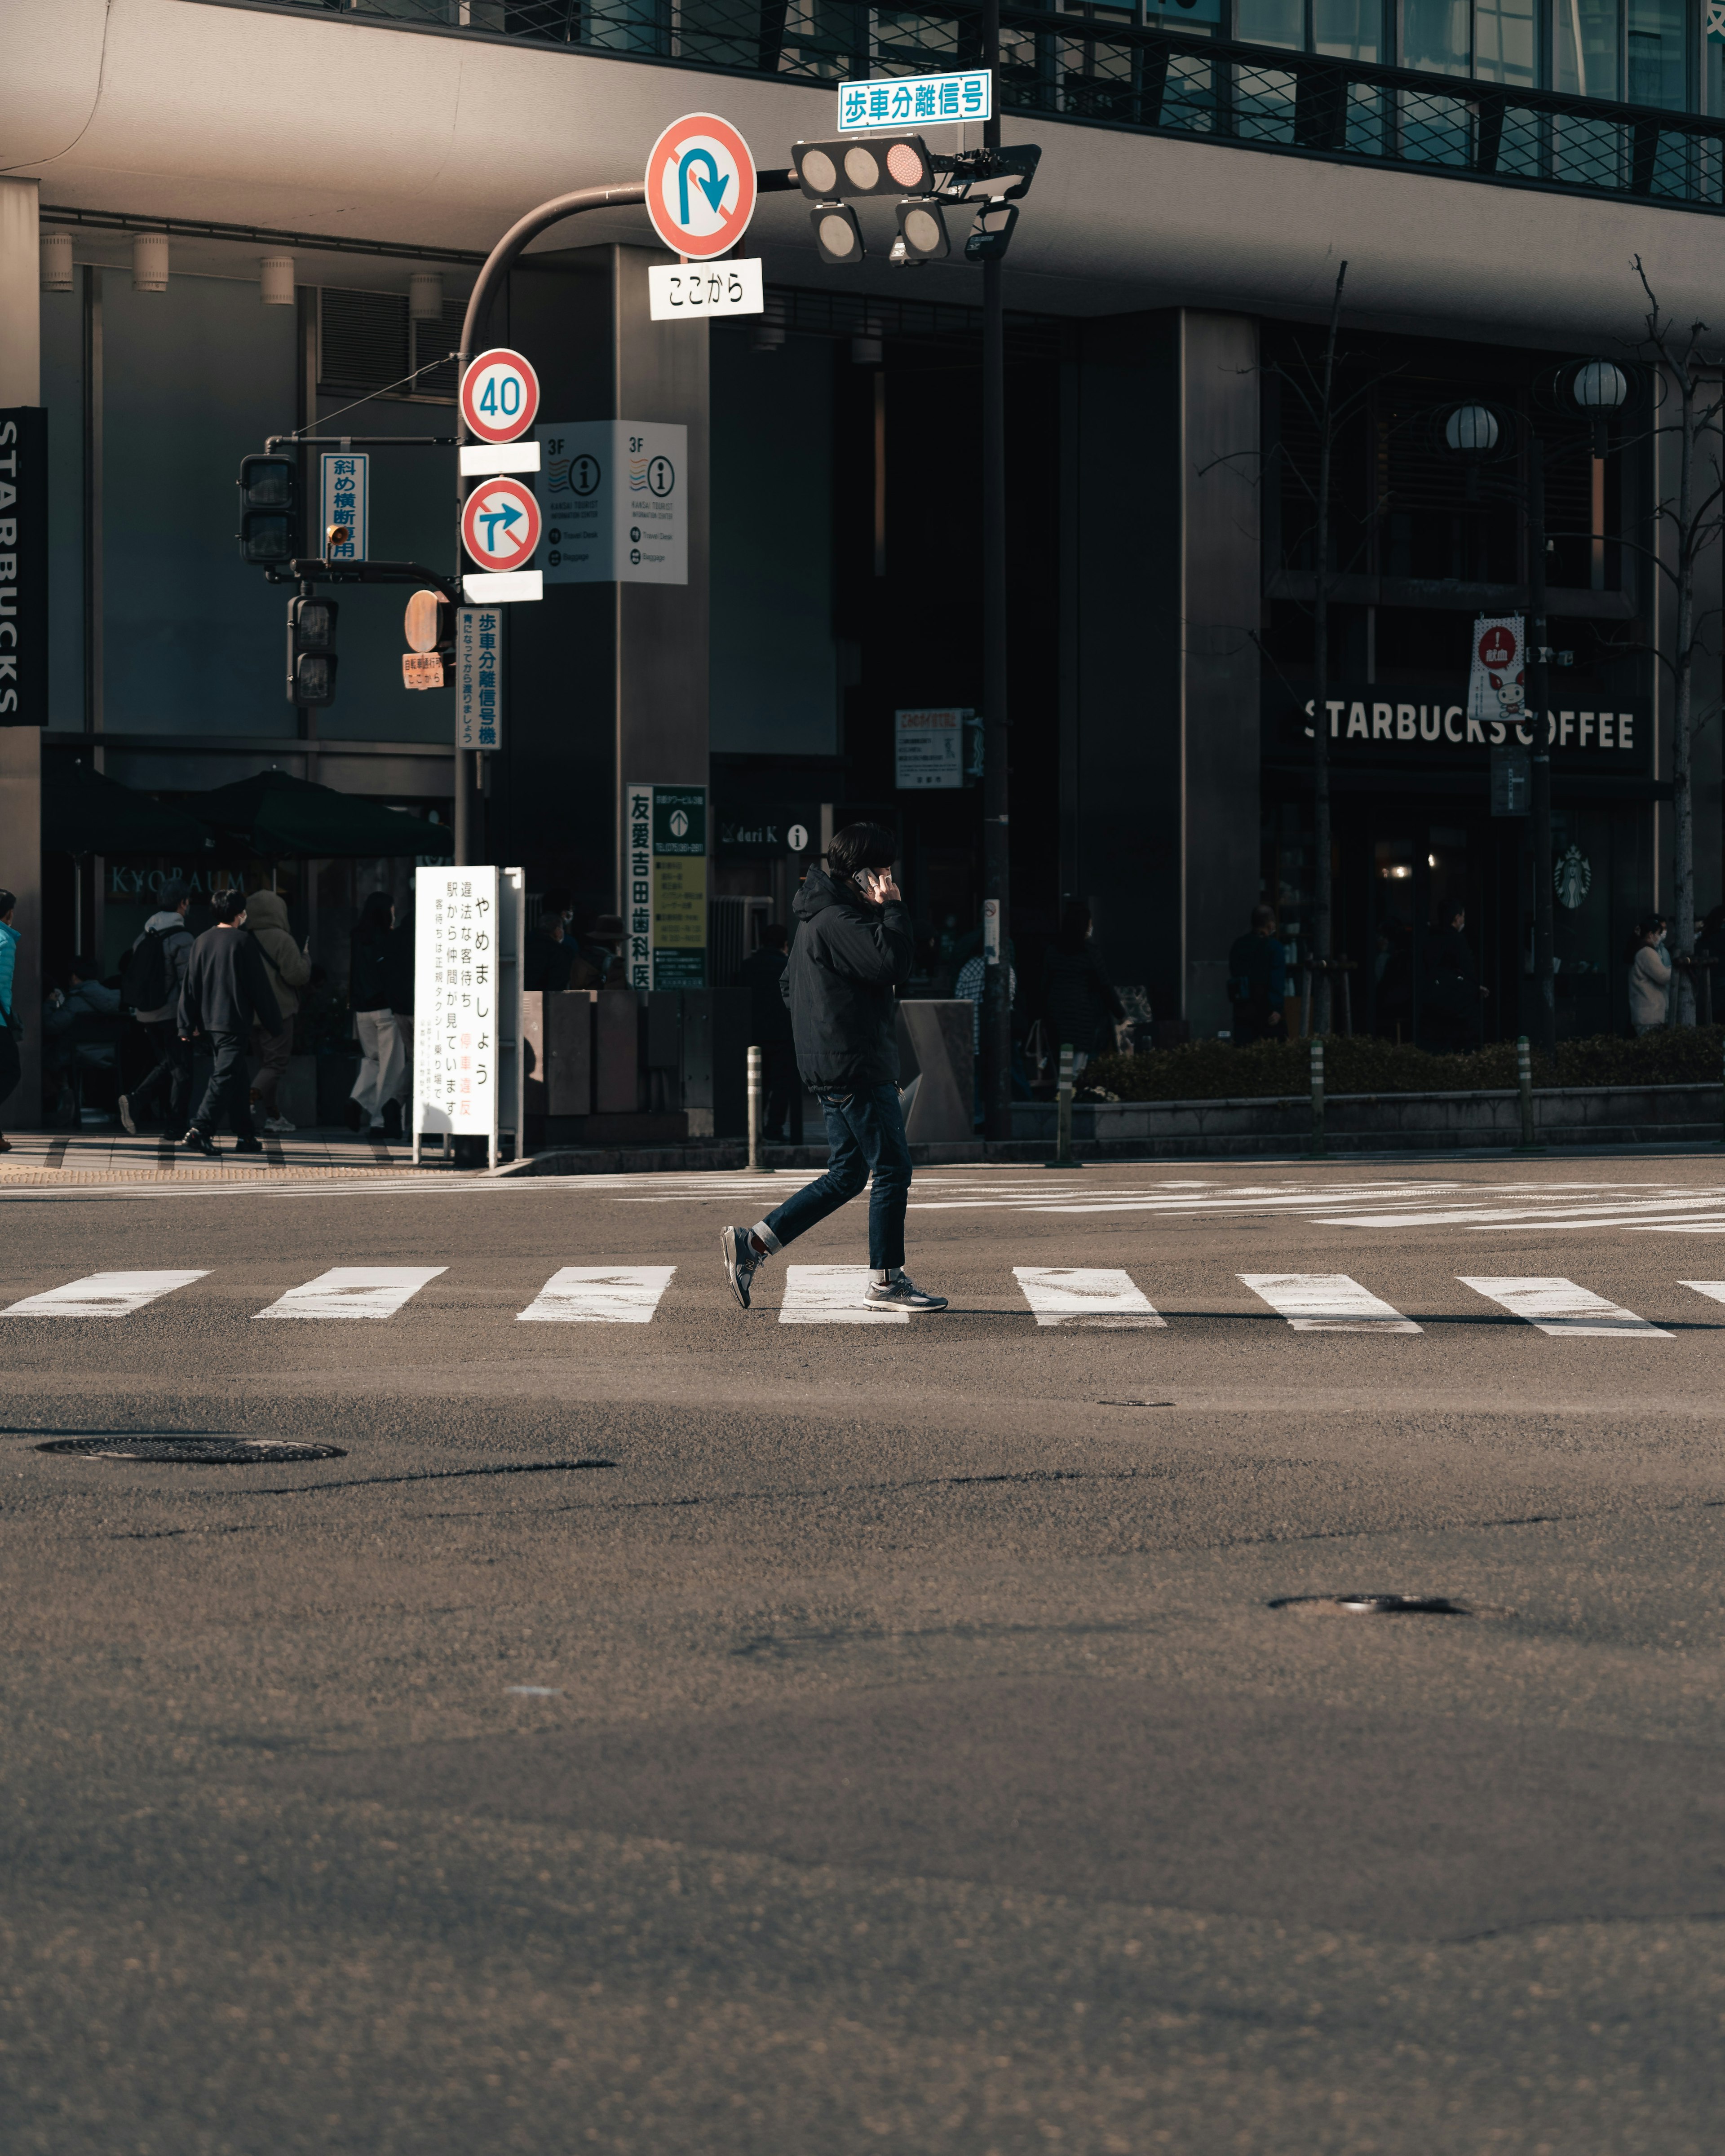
(149,984)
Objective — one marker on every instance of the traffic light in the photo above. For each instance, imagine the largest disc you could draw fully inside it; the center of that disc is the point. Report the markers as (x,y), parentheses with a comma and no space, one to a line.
(268,509)
(991,235)
(849,169)
(311,650)
(921,233)
(837,234)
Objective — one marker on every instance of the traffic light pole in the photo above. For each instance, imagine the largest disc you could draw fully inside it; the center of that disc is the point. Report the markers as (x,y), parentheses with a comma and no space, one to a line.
(1544,1028)
(997,992)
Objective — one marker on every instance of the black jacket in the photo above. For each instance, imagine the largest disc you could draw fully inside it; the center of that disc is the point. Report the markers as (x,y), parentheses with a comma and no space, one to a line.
(760,973)
(847,960)
(226,986)
(368,973)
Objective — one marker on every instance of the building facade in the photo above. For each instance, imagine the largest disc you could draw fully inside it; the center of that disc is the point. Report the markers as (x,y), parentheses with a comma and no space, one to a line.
(275,212)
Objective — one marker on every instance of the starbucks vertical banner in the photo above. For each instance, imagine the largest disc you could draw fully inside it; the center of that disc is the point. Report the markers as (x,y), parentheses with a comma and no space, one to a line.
(468,927)
(23,565)
(667,887)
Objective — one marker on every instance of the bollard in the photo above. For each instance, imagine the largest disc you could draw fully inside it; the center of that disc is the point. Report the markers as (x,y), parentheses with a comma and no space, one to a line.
(1063,1113)
(1524,1081)
(1721,1076)
(1315,1150)
(754,1107)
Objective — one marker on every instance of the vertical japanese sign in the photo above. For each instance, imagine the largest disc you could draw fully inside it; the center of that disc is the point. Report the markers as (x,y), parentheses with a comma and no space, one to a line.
(23,565)
(346,480)
(665,883)
(456,1046)
(1496,679)
(479,677)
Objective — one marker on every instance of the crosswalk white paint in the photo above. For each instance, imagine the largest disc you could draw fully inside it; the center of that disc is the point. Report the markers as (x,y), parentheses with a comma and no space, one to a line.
(600,1294)
(1099,1296)
(102,1295)
(1327,1302)
(1559,1306)
(1713,1289)
(354,1291)
(833,1294)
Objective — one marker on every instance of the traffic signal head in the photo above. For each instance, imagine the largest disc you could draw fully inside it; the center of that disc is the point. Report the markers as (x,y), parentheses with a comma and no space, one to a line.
(311,650)
(850,168)
(921,233)
(837,234)
(991,235)
(269,509)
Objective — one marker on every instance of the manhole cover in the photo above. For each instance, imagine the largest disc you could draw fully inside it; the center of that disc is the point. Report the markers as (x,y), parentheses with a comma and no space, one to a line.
(196,1451)
(1134,1404)
(1374,1606)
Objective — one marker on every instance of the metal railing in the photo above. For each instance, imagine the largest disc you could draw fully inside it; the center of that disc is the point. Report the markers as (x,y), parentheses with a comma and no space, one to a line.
(1101,67)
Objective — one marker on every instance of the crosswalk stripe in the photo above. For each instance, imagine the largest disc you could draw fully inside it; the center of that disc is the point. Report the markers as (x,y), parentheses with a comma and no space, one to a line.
(1560,1306)
(102,1295)
(354,1291)
(833,1294)
(1327,1302)
(603,1294)
(1713,1289)
(1099,1296)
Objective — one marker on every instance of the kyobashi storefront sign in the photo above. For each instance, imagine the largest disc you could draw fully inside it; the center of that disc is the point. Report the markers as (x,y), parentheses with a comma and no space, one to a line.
(1405,726)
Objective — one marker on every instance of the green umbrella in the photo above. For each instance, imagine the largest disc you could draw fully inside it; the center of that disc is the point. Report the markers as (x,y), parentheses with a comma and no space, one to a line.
(84,811)
(275,814)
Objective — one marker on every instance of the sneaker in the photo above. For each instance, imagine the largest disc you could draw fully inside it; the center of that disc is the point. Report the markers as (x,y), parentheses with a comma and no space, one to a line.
(248,1145)
(126,1124)
(742,1260)
(197,1140)
(278,1125)
(902,1293)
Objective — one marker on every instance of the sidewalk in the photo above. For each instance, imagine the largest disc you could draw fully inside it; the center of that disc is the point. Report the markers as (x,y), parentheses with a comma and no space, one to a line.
(104,1153)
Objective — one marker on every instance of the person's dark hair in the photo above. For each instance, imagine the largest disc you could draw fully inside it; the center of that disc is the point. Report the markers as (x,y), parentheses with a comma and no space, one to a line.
(557,900)
(1074,927)
(375,917)
(859,846)
(228,905)
(1650,924)
(1263,917)
(7,901)
(86,968)
(774,936)
(172,895)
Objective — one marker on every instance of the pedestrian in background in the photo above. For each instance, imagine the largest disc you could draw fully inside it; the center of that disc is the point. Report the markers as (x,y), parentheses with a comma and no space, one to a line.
(761,973)
(383,1063)
(227,992)
(289,968)
(1079,1005)
(1650,975)
(11,1069)
(150,981)
(854,948)
(1258,981)
(551,951)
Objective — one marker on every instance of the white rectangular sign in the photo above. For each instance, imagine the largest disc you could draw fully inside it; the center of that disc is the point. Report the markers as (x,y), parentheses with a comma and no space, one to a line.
(930,748)
(612,492)
(455,1001)
(490,459)
(684,292)
(343,493)
(500,586)
(479,677)
(922,101)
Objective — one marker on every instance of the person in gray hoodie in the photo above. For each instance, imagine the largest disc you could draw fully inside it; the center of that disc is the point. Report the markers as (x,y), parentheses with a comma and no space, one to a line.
(172,1070)
(289,968)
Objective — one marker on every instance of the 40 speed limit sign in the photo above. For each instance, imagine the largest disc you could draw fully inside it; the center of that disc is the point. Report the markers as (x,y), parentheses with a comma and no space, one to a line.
(500,396)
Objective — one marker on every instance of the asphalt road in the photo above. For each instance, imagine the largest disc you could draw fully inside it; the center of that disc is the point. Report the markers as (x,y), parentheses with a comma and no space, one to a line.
(698,1732)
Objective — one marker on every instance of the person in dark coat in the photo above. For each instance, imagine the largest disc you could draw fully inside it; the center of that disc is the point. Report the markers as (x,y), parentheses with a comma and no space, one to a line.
(762,975)
(1452,991)
(550,956)
(227,992)
(855,949)
(1258,981)
(383,1079)
(1079,1005)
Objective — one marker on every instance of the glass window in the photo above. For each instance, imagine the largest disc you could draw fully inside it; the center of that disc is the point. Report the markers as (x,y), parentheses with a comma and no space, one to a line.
(1504,48)
(1437,36)
(1270,22)
(1587,47)
(1655,54)
(1346,29)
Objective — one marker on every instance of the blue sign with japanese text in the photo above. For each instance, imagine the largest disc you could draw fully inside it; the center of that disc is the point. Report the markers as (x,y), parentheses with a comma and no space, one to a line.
(923,101)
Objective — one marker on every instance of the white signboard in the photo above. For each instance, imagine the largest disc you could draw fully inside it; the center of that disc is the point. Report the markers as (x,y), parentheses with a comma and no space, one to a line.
(479,677)
(343,495)
(923,101)
(685,292)
(467,1001)
(612,493)
(930,748)
(1496,680)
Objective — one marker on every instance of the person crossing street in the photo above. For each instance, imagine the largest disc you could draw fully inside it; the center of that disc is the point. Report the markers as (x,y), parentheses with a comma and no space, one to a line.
(854,950)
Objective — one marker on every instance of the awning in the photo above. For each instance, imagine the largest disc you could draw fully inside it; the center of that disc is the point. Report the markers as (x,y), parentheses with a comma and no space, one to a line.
(85,812)
(276,813)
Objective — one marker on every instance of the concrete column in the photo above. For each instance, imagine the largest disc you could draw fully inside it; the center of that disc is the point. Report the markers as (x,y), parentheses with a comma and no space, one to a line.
(21,746)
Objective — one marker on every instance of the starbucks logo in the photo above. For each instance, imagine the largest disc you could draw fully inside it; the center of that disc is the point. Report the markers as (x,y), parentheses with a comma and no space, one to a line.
(1573,877)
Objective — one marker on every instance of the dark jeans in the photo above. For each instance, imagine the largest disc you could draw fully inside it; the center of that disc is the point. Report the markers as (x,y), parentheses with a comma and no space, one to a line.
(228,1082)
(866,1130)
(172,1068)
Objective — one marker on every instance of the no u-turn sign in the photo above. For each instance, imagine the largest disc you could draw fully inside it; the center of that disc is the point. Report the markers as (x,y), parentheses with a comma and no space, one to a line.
(700,186)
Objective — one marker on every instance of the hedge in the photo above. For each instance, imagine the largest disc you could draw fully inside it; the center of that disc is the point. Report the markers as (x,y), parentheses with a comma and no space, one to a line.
(1215,1070)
